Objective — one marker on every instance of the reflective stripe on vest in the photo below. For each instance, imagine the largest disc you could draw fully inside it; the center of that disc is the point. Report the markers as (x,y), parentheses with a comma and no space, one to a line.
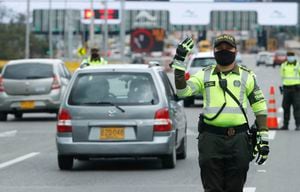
(207,89)
(296,71)
(243,86)
(231,110)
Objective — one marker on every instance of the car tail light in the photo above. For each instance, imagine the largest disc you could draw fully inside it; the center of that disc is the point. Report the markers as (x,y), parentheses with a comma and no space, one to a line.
(162,120)
(64,124)
(187,75)
(55,83)
(1,84)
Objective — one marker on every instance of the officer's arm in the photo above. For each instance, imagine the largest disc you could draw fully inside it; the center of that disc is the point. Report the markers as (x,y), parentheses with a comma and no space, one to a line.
(257,102)
(187,88)
(281,70)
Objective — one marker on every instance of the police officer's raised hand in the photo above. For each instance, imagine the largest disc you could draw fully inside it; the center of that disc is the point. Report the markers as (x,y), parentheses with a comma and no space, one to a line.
(182,50)
(261,150)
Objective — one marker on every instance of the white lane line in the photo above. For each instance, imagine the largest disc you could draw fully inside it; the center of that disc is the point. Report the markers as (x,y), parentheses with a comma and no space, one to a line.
(8,133)
(192,133)
(261,170)
(272,135)
(249,189)
(17,160)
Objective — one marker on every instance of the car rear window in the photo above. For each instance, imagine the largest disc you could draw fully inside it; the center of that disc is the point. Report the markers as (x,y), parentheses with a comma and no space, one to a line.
(28,71)
(117,88)
(203,62)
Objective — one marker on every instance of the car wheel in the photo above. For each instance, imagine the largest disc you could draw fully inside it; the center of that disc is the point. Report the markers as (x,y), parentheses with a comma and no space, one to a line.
(181,152)
(65,162)
(187,102)
(18,115)
(169,161)
(3,116)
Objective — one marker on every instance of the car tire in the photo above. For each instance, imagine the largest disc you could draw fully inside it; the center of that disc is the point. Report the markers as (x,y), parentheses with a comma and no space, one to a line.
(3,116)
(169,161)
(65,162)
(182,150)
(187,102)
(18,115)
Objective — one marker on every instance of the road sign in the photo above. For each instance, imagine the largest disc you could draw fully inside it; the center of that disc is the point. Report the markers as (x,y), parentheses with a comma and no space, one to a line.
(147,40)
(81,51)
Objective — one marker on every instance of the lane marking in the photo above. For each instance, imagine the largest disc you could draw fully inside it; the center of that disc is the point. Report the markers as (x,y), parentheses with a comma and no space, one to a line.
(8,133)
(272,135)
(249,189)
(18,159)
(191,133)
(262,171)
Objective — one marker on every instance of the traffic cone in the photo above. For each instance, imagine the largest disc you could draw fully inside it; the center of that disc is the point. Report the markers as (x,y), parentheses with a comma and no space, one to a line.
(272,121)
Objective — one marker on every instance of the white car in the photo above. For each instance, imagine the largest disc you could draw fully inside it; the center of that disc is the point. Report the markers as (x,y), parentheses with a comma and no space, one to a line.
(265,58)
(196,63)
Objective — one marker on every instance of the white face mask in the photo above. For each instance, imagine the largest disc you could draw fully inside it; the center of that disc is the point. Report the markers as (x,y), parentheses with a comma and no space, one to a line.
(291,59)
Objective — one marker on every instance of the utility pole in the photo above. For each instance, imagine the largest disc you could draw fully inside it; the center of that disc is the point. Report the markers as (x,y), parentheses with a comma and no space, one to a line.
(122,31)
(105,28)
(92,24)
(27,37)
(50,30)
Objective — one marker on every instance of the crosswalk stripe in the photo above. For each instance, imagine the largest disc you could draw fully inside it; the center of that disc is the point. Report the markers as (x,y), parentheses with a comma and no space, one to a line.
(191,133)
(249,189)
(8,133)
(272,135)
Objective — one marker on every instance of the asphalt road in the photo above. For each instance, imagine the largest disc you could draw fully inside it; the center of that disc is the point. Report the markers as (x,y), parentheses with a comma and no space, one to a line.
(28,158)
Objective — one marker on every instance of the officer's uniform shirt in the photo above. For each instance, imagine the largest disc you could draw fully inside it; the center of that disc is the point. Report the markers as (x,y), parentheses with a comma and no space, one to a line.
(90,62)
(240,81)
(290,73)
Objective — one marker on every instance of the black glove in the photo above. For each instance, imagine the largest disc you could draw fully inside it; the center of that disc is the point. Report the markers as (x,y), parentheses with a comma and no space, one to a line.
(281,90)
(184,48)
(261,149)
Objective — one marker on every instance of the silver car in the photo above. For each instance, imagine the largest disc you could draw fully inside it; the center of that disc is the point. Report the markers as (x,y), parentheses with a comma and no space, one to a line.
(32,85)
(196,63)
(121,111)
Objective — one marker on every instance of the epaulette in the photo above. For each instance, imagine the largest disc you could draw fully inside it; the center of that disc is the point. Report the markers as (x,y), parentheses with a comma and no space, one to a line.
(245,68)
(207,68)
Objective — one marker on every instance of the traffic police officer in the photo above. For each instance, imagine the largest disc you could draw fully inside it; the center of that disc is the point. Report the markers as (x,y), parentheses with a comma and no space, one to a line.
(224,146)
(94,59)
(290,74)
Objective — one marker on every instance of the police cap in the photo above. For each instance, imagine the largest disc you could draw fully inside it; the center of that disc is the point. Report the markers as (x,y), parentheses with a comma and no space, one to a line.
(225,38)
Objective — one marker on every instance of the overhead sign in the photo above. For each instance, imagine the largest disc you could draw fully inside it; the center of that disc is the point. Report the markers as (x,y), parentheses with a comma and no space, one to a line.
(147,40)
(268,13)
(199,12)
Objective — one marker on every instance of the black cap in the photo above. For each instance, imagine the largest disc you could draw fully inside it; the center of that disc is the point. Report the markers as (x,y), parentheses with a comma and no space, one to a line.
(225,38)
(93,50)
(290,53)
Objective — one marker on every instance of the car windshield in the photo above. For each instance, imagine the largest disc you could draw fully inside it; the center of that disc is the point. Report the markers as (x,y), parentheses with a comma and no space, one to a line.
(203,62)
(114,88)
(28,71)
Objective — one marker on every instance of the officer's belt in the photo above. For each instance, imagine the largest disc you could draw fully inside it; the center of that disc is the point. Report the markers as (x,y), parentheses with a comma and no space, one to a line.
(291,87)
(227,131)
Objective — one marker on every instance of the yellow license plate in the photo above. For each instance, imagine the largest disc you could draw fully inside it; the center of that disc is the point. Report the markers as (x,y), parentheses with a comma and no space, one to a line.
(112,133)
(27,104)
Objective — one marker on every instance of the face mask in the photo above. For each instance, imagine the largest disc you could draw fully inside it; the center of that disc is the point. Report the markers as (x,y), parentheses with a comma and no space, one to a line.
(224,57)
(291,59)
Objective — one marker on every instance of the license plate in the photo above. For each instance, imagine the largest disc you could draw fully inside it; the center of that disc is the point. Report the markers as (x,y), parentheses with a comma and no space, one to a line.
(112,133)
(27,104)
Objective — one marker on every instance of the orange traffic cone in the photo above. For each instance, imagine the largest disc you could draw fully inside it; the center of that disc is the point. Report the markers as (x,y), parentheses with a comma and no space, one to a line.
(272,121)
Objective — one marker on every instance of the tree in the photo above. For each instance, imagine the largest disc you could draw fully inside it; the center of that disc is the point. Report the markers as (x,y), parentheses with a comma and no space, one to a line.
(12,37)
